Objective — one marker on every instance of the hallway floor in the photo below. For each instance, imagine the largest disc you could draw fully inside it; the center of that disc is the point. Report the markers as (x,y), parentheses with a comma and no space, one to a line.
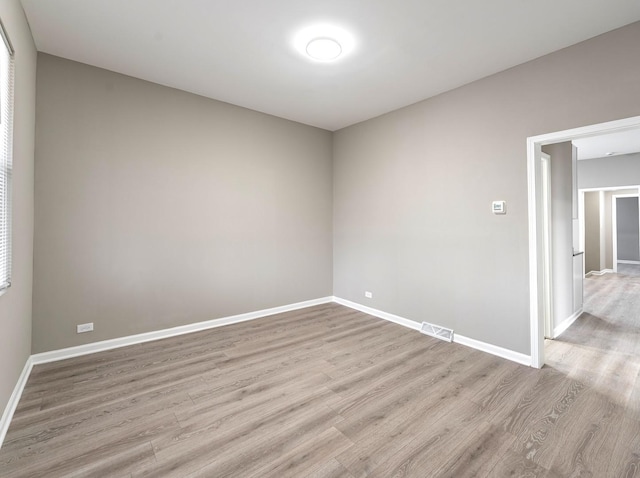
(602,348)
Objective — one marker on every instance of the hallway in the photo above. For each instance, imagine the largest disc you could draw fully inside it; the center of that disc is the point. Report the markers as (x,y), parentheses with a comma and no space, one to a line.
(602,348)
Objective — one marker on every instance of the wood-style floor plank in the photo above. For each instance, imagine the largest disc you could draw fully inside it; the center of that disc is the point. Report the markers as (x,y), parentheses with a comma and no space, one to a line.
(329,392)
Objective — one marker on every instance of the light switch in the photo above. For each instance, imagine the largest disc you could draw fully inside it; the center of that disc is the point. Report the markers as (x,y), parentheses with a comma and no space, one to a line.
(499,207)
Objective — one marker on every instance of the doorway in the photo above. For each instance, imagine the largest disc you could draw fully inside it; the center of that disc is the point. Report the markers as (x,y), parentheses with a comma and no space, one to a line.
(625,219)
(539,261)
(599,228)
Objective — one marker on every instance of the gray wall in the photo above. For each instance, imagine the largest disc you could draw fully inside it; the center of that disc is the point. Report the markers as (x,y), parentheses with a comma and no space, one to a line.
(125,178)
(628,227)
(615,171)
(607,261)
(428,254)
(157,208)
(592,232)
(561,229)
(15,304)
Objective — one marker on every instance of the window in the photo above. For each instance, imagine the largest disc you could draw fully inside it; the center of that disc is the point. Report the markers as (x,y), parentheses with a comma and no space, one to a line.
(6,156)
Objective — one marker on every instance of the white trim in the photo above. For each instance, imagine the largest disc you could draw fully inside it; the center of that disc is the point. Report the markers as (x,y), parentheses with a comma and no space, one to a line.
(603,232)
(612,189)
(396,319)
(547,242)
(621,261)
(534,145)
(459,339)
(614,232)
(536,325)
(94,347)
(566,323)
(581,220)
(517,357)
(599,273)
(10,409)
(77,351)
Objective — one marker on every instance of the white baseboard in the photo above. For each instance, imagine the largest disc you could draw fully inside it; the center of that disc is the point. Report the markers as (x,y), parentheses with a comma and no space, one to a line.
(599,273)
(94,347)
(565,324)
(71,352)
(620,261)
(14,399)
(508,354)
(101,346)
(396,319)
(459,339)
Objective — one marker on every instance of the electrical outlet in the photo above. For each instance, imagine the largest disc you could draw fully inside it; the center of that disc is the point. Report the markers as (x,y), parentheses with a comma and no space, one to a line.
(368,295)
(81,328)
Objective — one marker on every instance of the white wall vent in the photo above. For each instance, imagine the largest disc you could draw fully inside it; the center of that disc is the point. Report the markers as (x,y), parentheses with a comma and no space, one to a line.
(436,331)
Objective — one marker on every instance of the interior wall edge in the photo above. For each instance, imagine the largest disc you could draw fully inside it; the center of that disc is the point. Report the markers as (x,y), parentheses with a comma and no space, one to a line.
(12,404)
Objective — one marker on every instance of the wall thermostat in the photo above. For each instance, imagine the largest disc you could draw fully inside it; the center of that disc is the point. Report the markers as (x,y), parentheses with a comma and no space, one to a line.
(499,207)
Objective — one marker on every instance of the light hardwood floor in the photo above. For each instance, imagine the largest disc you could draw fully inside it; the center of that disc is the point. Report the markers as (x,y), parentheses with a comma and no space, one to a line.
(330,392)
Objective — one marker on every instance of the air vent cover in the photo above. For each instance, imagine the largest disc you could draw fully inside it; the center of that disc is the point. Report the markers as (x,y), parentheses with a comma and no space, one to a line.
(436,331)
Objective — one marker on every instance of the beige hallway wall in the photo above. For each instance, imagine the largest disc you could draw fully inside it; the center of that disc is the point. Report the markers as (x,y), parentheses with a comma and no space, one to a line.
(561,229)
(592,232)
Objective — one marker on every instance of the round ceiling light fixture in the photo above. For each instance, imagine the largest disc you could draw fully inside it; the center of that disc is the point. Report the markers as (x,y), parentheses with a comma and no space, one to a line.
(324,49)
(324,43)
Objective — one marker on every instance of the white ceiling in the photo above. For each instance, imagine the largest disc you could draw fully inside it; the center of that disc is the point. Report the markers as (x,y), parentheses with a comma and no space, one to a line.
(241,51)
(625,142)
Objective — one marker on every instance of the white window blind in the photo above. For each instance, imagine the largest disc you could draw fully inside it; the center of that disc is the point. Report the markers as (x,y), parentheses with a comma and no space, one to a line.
(6,156)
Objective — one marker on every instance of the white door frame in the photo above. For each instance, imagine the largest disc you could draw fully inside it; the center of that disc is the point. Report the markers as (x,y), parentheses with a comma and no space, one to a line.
(547,244)
(614,224)
(536,252)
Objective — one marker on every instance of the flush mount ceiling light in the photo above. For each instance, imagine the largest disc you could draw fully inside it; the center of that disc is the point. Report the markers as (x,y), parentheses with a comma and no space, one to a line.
(324,49)
(324,43)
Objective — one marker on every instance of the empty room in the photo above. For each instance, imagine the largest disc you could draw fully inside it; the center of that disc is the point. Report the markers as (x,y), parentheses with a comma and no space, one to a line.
(318,239)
